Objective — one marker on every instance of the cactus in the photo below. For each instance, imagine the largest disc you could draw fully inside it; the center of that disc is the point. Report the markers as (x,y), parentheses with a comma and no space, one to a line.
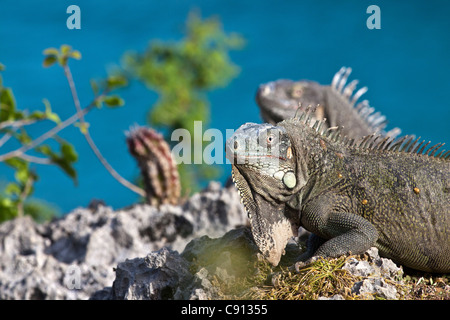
(158,168)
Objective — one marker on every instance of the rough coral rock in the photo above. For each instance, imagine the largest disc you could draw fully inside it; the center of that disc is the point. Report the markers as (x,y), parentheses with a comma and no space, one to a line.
(74,257)
(375,270)
(165,274)
(154,277)
(141,252)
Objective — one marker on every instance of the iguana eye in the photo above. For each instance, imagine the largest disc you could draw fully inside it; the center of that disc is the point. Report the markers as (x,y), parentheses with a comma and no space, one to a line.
(270,138)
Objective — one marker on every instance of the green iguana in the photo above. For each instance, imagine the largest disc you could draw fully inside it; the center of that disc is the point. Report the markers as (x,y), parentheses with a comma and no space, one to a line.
(352,195)
(279,100)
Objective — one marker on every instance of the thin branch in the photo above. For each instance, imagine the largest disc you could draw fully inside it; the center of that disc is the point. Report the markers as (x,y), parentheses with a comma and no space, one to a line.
(24,195)
(73,90)
(17,123)
(91,142)
(20,151)
(34,159)
(5,138)
(111,170)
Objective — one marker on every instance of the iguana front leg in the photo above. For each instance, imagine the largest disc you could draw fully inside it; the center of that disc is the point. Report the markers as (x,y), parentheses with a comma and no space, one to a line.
(343,232)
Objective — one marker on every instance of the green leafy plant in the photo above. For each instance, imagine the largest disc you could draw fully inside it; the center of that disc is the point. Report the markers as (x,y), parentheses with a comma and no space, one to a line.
(102,96)
(182,73)
(32,150)
(13,126)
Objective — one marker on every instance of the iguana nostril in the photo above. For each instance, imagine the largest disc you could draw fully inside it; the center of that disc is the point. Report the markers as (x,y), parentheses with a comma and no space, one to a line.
(236,145)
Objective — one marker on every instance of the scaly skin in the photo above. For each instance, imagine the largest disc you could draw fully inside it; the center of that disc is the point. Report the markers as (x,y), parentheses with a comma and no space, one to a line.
(279,100)
(393,195)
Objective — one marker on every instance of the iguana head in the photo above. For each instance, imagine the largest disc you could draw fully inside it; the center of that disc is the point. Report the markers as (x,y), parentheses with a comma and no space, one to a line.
(265,171)
(265,150)
(279,100)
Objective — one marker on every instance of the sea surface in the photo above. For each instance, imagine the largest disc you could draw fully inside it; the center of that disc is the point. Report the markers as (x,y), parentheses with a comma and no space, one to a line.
(405,65)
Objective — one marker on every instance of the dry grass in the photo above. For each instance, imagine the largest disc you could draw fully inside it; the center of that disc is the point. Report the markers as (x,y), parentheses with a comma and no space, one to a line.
(323,278)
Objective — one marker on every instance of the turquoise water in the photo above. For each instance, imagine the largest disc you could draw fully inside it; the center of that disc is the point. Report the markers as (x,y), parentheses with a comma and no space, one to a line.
(405,65)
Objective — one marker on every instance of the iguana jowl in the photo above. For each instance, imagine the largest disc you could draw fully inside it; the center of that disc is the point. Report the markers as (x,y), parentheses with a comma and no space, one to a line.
(394,195)
(337,102)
